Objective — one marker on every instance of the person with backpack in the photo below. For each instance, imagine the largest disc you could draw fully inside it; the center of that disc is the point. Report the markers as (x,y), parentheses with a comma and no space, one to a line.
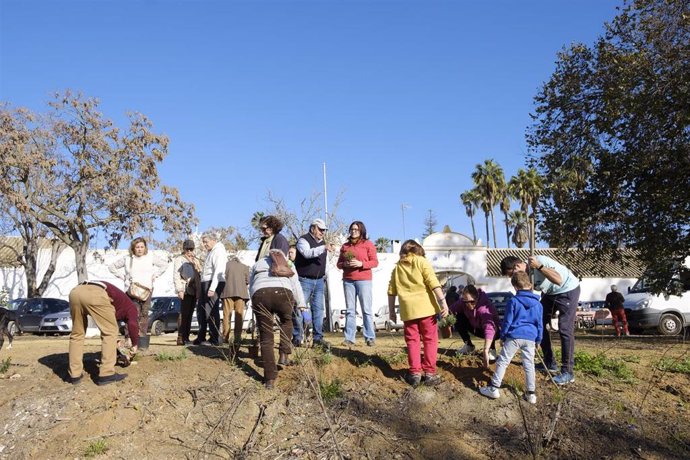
(274,289)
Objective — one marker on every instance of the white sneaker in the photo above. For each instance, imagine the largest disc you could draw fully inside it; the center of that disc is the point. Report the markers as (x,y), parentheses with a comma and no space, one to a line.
(492,355)
(530,398)
(490,392)
(466,349)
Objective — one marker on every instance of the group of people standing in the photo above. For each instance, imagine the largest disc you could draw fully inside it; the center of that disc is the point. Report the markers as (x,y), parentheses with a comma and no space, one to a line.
(275,296)
(287,295)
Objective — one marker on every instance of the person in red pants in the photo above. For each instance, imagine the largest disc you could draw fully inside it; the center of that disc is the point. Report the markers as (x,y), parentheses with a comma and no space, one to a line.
(614,302)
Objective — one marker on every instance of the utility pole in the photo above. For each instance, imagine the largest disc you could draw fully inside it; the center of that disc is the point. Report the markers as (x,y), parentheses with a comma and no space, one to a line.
(403,206)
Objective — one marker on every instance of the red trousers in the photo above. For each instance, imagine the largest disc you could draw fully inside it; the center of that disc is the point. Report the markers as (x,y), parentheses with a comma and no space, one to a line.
(618,315)
(418,331)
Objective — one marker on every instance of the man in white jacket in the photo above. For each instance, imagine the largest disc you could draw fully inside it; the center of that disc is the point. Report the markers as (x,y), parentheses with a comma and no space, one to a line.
(212,284)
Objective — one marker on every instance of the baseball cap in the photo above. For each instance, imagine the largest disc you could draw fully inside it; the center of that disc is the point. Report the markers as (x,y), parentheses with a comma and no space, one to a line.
(319,223)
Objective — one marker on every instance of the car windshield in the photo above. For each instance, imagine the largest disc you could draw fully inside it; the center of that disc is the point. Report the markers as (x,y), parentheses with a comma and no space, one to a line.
(158,304)
(14,304)
(640,286)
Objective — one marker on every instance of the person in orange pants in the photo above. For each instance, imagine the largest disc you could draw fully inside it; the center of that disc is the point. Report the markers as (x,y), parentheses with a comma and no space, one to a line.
(614,302)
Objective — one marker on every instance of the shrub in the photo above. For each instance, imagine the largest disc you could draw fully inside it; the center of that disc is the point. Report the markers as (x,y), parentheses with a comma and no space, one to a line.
(5,364)
(599,365)
(164,356)
(447,321)
(681,366)
(397,358)
(96,448)
(330,390)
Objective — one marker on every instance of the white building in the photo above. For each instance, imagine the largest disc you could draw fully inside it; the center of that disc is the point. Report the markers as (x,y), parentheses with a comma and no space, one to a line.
(455,257)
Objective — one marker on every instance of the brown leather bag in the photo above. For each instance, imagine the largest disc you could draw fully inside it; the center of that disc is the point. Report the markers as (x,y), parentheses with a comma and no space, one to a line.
(279,264)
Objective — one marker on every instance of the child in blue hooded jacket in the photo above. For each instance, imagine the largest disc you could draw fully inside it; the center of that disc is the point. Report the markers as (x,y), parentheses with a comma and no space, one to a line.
(521,330)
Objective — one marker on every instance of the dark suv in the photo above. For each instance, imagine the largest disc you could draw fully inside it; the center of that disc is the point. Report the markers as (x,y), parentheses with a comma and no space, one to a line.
(163,314)
(30,312)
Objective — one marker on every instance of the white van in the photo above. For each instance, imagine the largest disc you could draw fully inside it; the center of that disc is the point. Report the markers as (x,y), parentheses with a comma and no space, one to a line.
(668,314)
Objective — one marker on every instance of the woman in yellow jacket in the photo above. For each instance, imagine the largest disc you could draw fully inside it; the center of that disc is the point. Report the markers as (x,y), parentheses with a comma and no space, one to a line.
(414,282)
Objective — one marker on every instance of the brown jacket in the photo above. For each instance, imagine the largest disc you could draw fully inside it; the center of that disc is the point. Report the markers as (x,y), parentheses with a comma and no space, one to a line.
(236,280)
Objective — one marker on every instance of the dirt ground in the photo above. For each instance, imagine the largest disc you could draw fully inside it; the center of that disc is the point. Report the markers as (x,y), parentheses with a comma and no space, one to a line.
(350,404)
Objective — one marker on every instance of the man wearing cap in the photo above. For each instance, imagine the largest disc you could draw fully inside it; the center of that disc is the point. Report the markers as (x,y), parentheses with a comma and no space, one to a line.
(310,262)
(106,304)
(187,281)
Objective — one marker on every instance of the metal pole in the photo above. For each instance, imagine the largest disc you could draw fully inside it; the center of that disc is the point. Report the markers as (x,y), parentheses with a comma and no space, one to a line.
(327,297)
(325,193)
(402,209)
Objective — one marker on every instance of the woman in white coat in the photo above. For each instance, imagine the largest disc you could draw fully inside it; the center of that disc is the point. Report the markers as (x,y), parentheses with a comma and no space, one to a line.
(143,268)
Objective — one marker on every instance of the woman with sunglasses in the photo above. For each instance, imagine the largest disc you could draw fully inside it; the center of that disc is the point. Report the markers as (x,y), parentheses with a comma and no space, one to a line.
(478,316)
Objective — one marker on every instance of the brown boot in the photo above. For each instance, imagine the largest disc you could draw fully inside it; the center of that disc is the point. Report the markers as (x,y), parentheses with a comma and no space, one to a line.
(180,340)
(283,359)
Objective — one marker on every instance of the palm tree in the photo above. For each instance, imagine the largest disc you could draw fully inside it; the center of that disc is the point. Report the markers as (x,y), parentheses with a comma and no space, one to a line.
(470,199)
(256,219)
(488,178)
(527,187)
(519,222)
(382,244)
(504,204)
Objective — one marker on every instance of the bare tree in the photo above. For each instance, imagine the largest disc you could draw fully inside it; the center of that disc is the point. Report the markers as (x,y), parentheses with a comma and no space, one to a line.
(25,133)
(297,221)
(92,176)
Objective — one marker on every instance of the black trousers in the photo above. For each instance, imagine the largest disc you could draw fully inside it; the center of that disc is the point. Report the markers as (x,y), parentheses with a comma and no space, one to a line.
(186,312)
(266,303)
(566,304)
(208,314)
(464,328)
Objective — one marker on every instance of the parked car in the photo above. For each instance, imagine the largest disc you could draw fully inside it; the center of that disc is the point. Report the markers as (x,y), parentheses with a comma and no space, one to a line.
(338,319)
(30,312)
(336,322)
(56,323)
(382,319)
(164,312)
(668,314)
(500,300)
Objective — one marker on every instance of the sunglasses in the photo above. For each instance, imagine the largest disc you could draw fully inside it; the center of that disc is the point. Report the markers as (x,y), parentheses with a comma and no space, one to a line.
(264,228)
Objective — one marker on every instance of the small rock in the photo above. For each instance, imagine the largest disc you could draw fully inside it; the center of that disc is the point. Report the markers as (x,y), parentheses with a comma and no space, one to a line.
(15,376)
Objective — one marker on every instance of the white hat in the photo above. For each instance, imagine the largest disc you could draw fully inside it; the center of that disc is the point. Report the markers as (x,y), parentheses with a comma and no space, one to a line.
(319,223)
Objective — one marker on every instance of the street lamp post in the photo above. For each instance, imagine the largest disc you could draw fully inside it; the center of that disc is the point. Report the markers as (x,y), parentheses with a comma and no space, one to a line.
(403,206)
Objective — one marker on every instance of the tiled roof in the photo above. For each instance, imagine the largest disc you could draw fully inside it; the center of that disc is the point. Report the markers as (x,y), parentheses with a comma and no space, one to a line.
(584,263)
(11,250)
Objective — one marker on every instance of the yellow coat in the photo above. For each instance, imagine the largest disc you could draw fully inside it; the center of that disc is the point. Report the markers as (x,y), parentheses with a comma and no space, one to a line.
(413,281)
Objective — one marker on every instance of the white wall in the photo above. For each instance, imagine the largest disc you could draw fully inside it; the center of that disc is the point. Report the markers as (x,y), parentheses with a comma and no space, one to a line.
(471,261)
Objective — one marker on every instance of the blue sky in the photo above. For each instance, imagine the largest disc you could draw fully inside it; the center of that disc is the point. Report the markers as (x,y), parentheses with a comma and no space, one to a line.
(401,99)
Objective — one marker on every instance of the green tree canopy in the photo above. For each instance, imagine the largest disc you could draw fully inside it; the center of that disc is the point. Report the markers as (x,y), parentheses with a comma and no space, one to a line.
(611,137)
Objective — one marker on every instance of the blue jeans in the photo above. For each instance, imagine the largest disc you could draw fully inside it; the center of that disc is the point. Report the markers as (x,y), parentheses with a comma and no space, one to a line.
(358,290)
(313,296)
(510,347)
